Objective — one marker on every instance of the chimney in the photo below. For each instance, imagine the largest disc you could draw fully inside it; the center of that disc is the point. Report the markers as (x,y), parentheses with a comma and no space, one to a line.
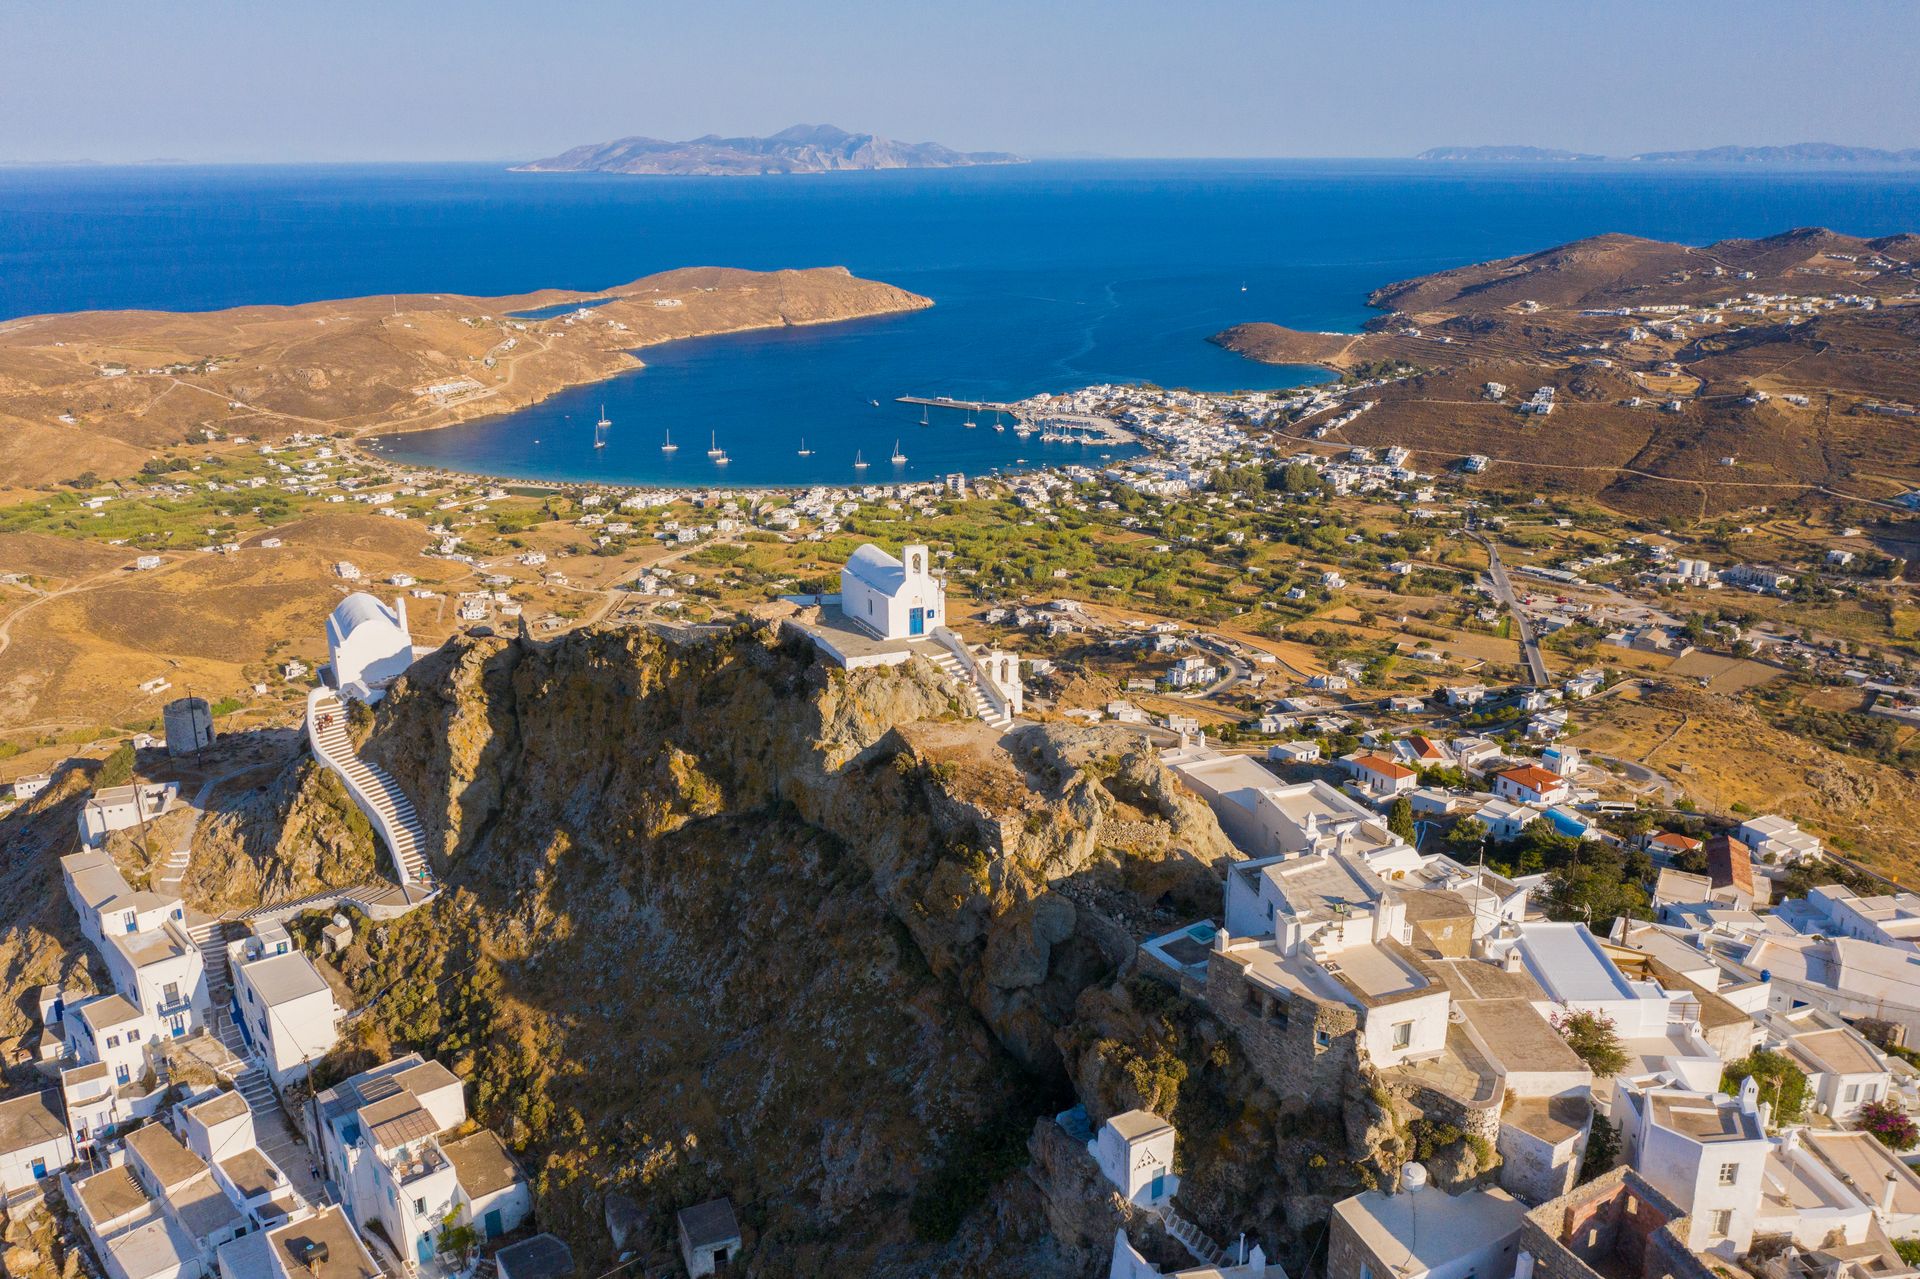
(1413,1178)
(1764,1112)
(1886,1194)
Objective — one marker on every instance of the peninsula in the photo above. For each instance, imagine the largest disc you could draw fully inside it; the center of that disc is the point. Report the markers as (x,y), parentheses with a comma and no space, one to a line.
(106,392)
(1659,377)
(804,148)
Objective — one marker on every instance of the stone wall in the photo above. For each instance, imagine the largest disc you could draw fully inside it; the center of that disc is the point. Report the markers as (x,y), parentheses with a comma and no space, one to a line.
(1605,1226)
(1300,1047)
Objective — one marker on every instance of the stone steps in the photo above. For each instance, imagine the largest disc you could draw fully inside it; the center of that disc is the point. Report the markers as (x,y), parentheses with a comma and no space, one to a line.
(372,785)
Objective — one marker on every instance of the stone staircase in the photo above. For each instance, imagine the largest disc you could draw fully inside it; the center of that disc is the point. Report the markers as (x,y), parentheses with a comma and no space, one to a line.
(372,788)
(983,706)
(1189,1237)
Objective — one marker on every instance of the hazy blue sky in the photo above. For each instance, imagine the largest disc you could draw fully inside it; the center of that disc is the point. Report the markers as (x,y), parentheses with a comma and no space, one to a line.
(349,79)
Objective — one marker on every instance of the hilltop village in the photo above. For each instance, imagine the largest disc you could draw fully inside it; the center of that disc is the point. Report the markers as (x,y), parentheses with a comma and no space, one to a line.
(1304,847)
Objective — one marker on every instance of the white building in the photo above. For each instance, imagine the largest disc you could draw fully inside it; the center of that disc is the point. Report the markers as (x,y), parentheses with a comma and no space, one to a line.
(1424,1233)
(1531,784)
(1706,1152)
(142,938)
(892,598)
(1323,928)
(1135,1151)
(1265,817)
(1844,1071)
(32,784)
(368,645)
(383,1153)
(1778,839)
(34,1142)
(123,807)
(288,1016)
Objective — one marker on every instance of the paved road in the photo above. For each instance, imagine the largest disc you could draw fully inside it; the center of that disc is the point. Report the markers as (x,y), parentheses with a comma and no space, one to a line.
(1503,591)
(1237,670)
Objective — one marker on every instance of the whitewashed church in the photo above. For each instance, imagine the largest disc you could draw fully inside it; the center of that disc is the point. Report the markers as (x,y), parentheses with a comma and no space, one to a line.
(368,645)
(892,599)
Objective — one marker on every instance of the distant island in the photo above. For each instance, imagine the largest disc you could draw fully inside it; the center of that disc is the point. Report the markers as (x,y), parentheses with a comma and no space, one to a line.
(804,148)
(1802,153)
(1503,155)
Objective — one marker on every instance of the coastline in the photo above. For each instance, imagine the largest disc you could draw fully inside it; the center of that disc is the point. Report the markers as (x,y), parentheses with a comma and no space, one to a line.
(96,390)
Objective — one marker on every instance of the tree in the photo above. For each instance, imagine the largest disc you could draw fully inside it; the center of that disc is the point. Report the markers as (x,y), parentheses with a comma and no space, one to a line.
(1603,1149)
(1892,1126)
(1592,1038)
(116,769)
(1400,819)
(1780,1081)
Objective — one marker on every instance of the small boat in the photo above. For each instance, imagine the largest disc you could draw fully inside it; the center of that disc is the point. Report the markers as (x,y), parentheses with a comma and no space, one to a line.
(970,423)
(860,463)
(898,458)
(1243,288)
(721,459)
(604,421)
(875,403)
(804,450)
(668,446)
(713,447)
(923,415)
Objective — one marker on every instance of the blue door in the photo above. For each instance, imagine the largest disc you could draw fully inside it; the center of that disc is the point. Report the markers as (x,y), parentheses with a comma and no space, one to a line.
(425,1248)
(39,1169)
(1158,1190)
(917,622)
(493,1224)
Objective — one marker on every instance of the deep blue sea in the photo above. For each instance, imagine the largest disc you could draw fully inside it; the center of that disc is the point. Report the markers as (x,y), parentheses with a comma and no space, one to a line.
(1045,277)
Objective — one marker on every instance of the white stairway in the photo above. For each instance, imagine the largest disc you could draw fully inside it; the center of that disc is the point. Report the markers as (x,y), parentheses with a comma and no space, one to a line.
(1189,1236)
(372,787)
(983,707)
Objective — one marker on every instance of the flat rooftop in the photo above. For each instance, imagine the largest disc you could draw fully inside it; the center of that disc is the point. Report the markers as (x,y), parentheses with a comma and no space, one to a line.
(1570,966)
(1858,1159)
(1428,1227)
(1702,1120)
(1322,885)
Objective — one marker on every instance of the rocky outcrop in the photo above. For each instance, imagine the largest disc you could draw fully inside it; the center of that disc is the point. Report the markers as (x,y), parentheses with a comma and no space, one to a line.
(722,919)
(295,834)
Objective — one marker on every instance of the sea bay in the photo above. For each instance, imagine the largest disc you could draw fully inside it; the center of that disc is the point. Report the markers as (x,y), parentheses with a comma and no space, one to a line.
(1045,277)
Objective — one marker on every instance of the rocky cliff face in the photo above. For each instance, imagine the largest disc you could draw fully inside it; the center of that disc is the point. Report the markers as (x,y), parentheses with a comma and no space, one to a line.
(725,921)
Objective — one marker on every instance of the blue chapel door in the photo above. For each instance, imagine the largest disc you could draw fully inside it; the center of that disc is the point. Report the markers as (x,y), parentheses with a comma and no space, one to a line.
(425,1248)
(1159,1188)
(493,1224)
(917,622)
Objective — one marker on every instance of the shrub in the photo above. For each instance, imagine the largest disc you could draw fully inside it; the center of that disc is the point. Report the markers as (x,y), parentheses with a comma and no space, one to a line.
(1892,1126)
(1592,1038)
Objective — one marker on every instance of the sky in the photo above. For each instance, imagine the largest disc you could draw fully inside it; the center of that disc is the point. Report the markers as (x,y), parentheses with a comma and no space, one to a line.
(343,80)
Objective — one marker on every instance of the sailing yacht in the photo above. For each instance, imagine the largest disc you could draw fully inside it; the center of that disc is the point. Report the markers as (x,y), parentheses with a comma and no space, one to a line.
(859,463)
(996,421)
(604,421)
(923,415)
(713,447)
(669,446)
(970,423)
(898,458)
(721,460)
(804,450)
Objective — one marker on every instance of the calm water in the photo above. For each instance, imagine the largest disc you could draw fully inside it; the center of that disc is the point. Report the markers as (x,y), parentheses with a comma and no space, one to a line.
(1046,276)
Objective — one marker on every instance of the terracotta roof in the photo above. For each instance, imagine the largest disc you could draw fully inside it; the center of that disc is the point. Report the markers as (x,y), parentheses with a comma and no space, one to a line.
(1533,778)
(1674,839)
(1729,863)
(1383,766)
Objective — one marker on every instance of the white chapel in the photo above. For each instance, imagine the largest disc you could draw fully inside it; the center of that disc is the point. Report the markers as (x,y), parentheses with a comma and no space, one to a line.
(892,598)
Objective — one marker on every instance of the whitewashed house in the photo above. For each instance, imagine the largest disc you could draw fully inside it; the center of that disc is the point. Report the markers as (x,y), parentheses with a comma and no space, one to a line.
(383,1151)
(287,1012)
(34,1142)
(1135,1151)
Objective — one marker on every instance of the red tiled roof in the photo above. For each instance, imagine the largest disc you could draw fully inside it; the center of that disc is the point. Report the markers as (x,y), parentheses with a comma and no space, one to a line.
(1425,748)
(1383,766)
(1729,863)
(1674,839)
(1533,778)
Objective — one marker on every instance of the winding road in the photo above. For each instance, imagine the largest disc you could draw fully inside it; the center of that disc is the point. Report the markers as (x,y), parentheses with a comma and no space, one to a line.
(1503,591)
